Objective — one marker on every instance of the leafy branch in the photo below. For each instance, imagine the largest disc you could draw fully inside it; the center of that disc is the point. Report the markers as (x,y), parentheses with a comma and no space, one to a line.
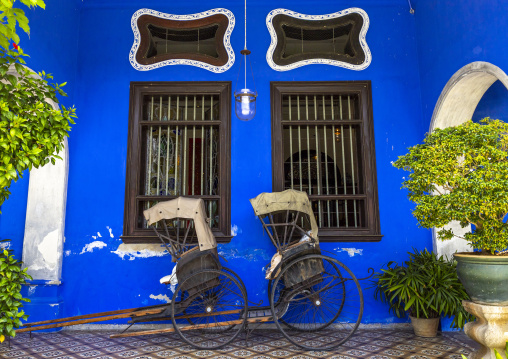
(461,174)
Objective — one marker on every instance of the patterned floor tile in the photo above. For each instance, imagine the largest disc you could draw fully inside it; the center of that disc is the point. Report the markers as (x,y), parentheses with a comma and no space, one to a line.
(260,344)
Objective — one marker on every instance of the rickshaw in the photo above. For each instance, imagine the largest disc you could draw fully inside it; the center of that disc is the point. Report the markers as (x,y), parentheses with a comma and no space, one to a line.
(209,307)
(308,291)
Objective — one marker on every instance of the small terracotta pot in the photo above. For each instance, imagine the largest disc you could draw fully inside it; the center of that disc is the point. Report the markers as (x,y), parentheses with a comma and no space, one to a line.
(424,327)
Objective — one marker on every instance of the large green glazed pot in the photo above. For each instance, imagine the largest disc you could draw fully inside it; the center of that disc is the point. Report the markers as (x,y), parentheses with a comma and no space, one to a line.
(485,277)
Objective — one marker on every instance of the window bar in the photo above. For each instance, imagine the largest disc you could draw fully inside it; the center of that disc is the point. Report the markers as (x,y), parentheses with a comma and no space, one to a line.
(299,144)
(202,142)
(291,144)
(211,160)
(159,149)
(326,161)
(343,163)
(352,160)
(194,148)
(168,138)
(149,171)
(177,192)
(184,148)
(308,144)
(318,163)
(335,165)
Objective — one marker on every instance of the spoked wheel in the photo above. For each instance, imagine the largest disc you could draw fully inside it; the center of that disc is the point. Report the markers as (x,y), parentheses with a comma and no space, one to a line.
(215,309)
(284,304)
(331,303)
(225,328)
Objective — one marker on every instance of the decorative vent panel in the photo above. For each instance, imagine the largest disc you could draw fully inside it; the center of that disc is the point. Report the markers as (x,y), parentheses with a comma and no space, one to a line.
(335,39)
(201,40)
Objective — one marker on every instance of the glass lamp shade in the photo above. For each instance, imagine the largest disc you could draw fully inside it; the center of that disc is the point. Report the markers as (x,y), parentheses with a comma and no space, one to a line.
(245,104)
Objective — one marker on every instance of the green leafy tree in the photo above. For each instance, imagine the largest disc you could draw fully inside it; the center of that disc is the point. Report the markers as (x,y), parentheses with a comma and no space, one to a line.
(31,135)
(461,174)
(12,277)
(31,130)
(11,16)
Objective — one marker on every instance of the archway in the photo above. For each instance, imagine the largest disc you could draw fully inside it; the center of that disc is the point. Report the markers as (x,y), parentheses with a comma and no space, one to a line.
(45,216)
(456,105)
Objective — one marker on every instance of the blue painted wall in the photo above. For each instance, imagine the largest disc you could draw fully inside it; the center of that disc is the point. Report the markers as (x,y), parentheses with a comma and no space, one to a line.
(99,73)
(52,47)
(449,36)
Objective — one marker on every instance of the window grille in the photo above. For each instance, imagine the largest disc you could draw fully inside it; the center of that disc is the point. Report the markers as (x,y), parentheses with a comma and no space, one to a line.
(325,129)
(181,152)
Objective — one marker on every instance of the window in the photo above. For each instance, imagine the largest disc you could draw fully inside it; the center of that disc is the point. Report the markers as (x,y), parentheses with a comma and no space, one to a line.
(201,39)
(335,39)
(178,145)
(323,144)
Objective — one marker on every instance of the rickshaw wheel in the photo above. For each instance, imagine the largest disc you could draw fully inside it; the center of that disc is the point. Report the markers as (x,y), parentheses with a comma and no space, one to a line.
(331,302)
(225,328)
(223,299)
(316,328)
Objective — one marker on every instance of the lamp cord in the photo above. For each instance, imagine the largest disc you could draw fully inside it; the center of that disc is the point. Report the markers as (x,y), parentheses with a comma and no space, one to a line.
(245,46)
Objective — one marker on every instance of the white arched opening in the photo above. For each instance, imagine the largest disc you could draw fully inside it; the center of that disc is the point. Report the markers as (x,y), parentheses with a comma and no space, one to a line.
(45,216)
(456,105)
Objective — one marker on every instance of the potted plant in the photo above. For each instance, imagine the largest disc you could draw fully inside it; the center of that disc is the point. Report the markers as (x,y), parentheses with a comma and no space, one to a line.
(461,174)
(425,287)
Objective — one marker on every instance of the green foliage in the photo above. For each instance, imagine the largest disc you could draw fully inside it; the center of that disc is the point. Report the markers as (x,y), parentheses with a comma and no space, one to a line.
(12,277)
(498,356)
(31,131)
(461,174)
(425,286)
(10,16)
(31,135)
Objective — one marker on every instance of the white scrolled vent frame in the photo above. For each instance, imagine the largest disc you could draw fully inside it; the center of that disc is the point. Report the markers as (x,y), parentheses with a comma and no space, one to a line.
(203,65)
(363,42)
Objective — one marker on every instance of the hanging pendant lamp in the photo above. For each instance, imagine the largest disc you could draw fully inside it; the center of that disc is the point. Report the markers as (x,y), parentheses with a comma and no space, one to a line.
(245,99)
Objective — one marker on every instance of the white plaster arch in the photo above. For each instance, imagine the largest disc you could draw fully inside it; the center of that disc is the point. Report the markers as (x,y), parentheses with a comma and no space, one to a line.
(456,105)
(45,215)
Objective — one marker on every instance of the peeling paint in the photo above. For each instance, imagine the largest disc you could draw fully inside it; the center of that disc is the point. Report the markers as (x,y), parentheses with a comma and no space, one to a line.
(48,248)
(351,251)
(132,251)
(67,253)
(31,289)
(90,246)
(110,232)
(99,235)
(161,297)
(235,230)
(247,254)
(5,245)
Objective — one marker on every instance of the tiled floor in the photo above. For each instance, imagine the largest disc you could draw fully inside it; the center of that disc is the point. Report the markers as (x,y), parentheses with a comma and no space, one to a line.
(262,344)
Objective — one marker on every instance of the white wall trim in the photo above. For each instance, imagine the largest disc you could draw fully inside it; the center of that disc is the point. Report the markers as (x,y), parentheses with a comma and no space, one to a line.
(294,14)
(203,65)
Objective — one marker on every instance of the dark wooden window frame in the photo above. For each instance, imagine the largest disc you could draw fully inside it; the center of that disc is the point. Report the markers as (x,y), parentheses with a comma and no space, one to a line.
(220,20)
(372,232)
(132,234)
